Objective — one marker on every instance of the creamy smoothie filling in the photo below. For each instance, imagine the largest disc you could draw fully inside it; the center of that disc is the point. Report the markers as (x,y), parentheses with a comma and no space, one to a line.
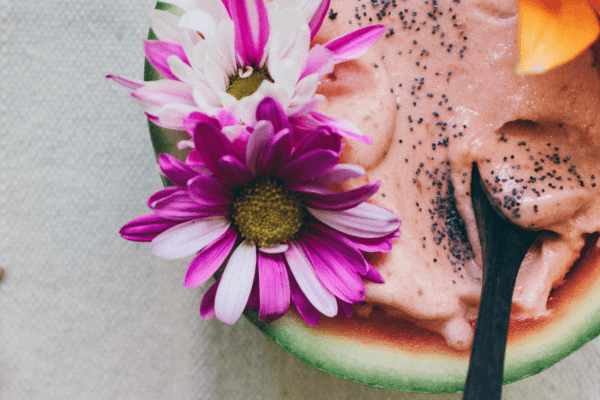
(437,94)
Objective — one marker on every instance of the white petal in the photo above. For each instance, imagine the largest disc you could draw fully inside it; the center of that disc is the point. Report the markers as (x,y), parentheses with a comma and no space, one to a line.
(186,74)
(185,144)
(171,116)
(283,4)
(258,140)
(346,127)
(244,112)
(245,73)
(245,109)
(365,220)
(278,248)
(287,28)
(305,89)
(309,283)
(306,7)
(310,7)
(288,51)
(226,46)
(283,94)
(340,173)
(206,101)
(199,21)
(165,25)
(164,91)
(307,107)
(321,61)
(189,237)
(214,8)
(233,131)
(189,40)
(227,100)
(236,284)
(216,77)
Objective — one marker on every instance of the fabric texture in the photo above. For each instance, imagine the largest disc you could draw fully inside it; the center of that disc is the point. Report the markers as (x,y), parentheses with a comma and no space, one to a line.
(85,314)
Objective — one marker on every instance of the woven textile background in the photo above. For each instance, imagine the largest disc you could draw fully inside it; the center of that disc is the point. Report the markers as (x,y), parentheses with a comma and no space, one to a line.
(87,315)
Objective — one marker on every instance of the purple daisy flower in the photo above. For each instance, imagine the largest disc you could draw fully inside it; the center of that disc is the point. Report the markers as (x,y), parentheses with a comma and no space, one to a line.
(221,58)
(270,216)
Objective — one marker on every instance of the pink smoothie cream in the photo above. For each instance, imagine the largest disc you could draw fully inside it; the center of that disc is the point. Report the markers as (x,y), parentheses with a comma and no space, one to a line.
(436,94)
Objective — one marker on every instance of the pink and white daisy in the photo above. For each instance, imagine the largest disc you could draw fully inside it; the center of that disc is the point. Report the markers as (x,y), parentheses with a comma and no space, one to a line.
(222,57)
(269,215)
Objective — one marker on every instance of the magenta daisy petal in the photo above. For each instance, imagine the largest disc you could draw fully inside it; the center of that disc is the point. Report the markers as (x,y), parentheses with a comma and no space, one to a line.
(157,53)
(176,171)
(193,160)
(207,305)
(209,191)
(343,282)
(178,205)
(340,173)
(164,194)
(298,242)
(381,244)
(145,228)
(254,299)
(259,140)
(374,276)
(340,245)
(152,118)
(278,152)
(316,198)
(308,166)
(273,285)
(211,144)
(250,17)
(354,44)
(321,138)
(344,309)
(206,263)
(234,171)
(197,117)
(270,110)
(126,82)
(317,19)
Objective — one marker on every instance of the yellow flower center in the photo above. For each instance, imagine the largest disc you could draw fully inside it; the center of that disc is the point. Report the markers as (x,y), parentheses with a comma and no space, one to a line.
(267,214)
(240,87)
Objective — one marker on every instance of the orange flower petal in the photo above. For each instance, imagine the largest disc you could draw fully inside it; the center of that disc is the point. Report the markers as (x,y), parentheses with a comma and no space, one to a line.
(553,32)
(596,5)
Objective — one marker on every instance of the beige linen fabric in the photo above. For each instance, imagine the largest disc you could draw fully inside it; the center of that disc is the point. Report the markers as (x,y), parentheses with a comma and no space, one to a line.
(85,314)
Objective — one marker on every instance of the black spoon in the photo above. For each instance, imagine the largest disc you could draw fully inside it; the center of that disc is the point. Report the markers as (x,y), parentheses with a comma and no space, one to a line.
(503,247)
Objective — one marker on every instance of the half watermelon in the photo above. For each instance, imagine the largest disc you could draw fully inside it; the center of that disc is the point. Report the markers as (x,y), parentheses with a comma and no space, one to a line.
(397,355)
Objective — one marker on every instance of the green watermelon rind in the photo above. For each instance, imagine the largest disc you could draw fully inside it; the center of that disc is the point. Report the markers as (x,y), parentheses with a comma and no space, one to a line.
(395,368)
(403,370)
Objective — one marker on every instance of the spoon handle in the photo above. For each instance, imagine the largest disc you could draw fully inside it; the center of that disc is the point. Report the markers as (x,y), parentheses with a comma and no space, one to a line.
(504,246)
